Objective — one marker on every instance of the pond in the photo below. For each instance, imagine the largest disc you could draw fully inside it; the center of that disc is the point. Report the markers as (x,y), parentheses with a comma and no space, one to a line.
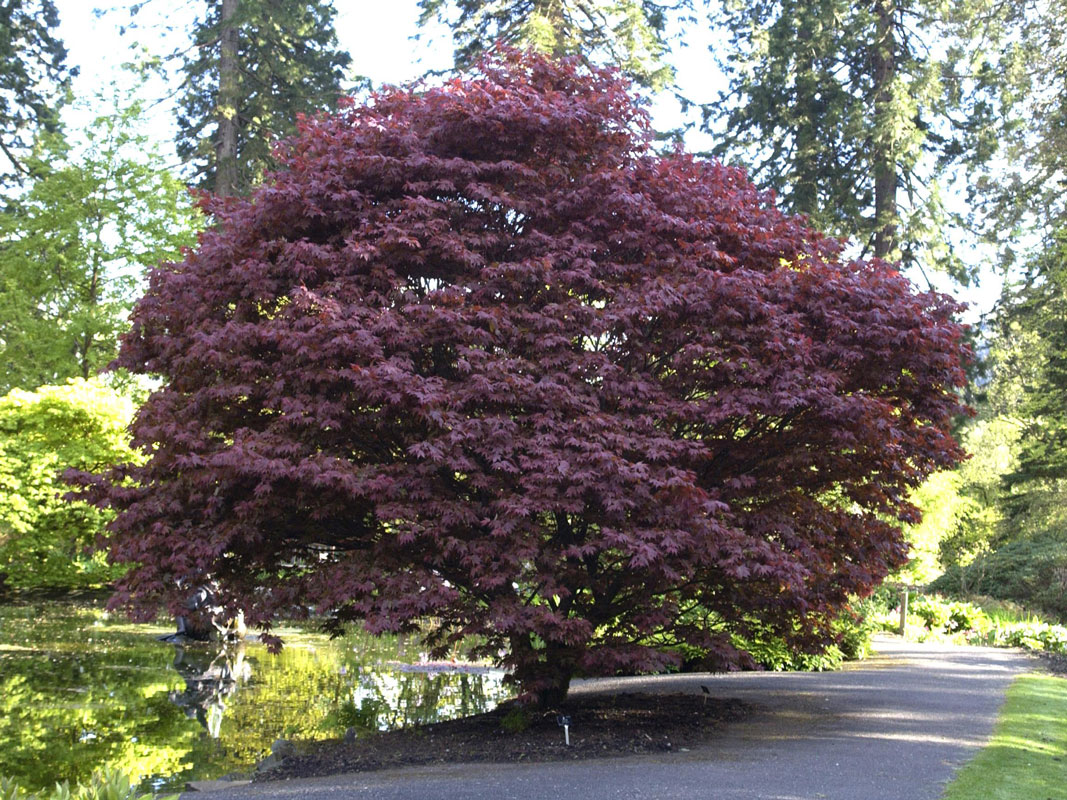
(81,689)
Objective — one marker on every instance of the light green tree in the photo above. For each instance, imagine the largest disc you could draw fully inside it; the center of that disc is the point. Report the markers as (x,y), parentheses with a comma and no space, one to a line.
(962,516)
(78,425)
(943,504)
(96,213)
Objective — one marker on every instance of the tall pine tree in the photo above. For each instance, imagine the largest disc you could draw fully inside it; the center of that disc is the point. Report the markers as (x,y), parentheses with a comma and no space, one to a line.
(33,80)
(1037,314)
(628,34)
(1024,193)
(256,65)
(1027,213)
(1026,208)
(1020,205)
(846,112)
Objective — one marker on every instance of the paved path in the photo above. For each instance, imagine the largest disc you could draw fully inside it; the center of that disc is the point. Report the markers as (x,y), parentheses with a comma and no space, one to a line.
(895,727)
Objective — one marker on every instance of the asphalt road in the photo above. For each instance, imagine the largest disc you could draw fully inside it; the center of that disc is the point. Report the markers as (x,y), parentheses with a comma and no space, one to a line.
(895,727)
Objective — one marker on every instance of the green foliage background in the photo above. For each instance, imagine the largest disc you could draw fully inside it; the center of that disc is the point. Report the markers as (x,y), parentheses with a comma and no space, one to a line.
(78,425)
(98,210)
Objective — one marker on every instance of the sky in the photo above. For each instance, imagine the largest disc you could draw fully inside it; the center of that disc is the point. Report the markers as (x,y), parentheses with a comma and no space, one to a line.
(378,35)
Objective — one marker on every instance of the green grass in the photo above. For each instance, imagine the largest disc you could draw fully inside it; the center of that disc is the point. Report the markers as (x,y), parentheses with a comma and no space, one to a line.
(1027,756)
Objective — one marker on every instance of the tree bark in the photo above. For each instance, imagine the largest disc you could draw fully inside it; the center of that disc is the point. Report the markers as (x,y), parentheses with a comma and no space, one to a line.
(226,105)
(543,675)
(884,156)
(805,159)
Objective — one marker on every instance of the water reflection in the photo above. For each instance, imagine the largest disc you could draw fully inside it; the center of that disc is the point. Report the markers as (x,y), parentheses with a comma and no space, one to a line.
(79,690)
(386,699)
(208,682)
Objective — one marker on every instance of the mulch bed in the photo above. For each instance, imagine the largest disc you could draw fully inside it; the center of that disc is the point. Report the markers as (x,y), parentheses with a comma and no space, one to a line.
(601,726)
(1056,663)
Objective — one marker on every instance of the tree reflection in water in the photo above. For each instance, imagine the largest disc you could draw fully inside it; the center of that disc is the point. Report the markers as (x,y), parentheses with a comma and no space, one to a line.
(208,682)
(386,699)
(80,689)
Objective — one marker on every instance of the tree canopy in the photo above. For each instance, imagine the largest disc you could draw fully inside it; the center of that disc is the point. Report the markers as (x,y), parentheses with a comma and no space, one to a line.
(628,34)
(477,354)
(1021,194)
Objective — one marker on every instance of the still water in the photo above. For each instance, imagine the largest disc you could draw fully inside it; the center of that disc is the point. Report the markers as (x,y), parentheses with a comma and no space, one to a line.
(80,689)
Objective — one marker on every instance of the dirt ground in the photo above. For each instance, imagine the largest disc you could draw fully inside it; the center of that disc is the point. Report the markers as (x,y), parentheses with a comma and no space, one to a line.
(600,726)
(1056,663)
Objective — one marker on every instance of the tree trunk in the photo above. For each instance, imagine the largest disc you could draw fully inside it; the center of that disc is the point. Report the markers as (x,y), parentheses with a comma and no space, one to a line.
(543,675)
(226,105)
(884,156)
(93,300)
(805,158)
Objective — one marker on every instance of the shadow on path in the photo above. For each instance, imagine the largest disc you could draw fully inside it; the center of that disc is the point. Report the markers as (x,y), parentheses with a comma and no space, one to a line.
(892,728)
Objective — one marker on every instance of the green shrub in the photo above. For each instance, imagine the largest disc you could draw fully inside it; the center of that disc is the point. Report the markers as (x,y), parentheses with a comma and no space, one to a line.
(772,653)
(855,628)
(1031,571)
(965,617)
(933,611)
(105,784)
(515,721)
(942,616)
(9,790)
(881,601)
(852,633)
(1036,636)
(79,425)
(938,619)
(933,618)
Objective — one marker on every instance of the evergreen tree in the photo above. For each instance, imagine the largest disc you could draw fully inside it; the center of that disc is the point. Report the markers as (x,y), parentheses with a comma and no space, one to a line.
(1025,215)
(624,33)
(1036,316)
(836,106)
(1022,196)
(33,79)
(256,66)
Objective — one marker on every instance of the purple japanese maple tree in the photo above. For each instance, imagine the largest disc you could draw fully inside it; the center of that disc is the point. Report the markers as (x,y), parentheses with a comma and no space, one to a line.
(477,360)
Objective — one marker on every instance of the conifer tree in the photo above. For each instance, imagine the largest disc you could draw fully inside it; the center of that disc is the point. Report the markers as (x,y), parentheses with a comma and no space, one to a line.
(33,79)
(843,109)
(1026,216)
(628,34)
(256,66)
(1035,316)
(1025,202)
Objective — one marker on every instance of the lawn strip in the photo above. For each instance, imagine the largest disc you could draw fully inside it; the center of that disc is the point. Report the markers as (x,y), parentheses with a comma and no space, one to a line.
(1027,757)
